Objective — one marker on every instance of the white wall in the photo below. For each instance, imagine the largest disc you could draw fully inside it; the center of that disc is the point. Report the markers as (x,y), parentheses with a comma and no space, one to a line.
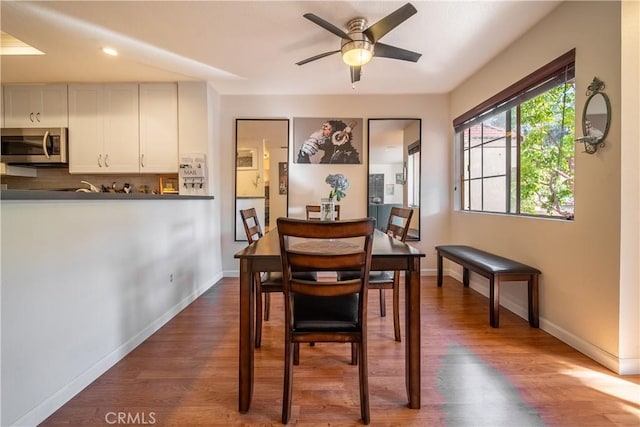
(306,182)
(84,282)
(580,260)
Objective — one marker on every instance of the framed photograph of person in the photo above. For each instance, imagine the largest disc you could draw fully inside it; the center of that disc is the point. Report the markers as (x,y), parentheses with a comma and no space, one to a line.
(327,140)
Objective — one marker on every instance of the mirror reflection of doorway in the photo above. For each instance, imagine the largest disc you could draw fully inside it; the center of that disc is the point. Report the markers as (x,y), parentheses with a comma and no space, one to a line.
(261,172)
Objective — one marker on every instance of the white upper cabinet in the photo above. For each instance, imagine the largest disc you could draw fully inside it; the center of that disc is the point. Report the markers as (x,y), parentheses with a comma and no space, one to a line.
(35,105)
(158,128)
(103,128)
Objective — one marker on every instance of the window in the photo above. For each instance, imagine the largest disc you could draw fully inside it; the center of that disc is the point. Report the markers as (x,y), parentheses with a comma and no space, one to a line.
(516,150)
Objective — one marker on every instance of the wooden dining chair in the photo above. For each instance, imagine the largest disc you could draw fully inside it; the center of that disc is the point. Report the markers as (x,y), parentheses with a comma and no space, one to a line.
(313,211)
(329,310)
(265,283)
(397,227)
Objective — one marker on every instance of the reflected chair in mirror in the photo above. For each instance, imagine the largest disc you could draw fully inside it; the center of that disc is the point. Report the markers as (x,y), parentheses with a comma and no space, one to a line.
(327,310)
(313,212)
(397,227)
(265,283)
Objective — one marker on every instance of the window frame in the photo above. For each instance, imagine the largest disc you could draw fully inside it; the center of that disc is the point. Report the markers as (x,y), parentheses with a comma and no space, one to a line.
(558,71)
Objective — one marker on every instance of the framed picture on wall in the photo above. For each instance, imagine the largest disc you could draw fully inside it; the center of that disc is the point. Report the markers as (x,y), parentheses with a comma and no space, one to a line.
(327,140)
(283,178)
(247,159)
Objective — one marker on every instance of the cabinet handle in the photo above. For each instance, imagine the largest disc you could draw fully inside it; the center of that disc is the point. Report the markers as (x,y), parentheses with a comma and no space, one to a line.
(38,117)
(106,160)
(100,161)
(142,160)
(31,117)
(44,144)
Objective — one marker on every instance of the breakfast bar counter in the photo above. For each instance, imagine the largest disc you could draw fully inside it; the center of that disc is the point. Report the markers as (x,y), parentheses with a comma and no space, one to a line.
(72,195)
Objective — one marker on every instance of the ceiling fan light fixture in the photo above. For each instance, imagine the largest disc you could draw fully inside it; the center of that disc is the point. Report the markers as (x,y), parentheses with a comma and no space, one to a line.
(357,53)
(110,51)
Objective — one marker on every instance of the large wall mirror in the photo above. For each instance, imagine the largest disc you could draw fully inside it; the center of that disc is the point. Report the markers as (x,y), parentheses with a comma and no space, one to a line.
(394,170)
(262,175)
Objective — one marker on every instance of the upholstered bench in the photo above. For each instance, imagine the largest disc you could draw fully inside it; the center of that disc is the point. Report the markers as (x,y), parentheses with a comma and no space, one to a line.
(496,269)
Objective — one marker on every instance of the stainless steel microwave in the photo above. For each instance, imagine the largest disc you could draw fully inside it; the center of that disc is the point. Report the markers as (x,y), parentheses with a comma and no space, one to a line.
(34,146)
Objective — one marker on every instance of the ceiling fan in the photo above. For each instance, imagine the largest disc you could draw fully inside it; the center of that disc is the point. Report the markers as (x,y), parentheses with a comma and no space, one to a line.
(360,44)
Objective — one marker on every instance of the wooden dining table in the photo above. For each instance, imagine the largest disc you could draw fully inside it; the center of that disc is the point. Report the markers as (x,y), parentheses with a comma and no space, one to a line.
(387,254)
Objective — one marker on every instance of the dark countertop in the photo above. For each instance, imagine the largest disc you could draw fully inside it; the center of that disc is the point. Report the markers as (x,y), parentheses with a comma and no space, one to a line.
(72,195)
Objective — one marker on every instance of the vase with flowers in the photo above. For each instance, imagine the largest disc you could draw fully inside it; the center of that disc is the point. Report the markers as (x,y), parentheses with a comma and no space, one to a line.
(339,185)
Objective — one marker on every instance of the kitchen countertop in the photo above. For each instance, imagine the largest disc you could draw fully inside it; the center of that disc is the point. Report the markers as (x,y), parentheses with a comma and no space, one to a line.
(72,195)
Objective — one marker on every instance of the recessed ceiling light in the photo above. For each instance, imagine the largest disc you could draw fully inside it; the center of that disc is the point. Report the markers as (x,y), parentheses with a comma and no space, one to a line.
(110,51)
(10,45)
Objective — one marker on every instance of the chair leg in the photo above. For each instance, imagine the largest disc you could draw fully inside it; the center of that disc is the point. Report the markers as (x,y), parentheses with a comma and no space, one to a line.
(383,304)
(364,383)
(267,304)
(396,309)
(288,381)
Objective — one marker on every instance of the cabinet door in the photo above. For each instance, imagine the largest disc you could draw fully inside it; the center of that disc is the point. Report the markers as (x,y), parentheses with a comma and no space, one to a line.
(158,128)
(35,106)
(86,134)
(121,128)
(52,104)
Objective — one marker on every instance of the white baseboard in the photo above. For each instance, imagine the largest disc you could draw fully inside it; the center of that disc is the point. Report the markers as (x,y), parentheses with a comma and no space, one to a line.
(606,359)
(62,396)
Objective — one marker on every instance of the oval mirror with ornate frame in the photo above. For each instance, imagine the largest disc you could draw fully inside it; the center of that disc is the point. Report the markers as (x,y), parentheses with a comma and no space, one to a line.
(596,117)
(394,170)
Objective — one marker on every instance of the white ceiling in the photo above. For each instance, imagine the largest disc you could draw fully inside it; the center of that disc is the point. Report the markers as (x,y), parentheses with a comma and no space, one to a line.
(251,47)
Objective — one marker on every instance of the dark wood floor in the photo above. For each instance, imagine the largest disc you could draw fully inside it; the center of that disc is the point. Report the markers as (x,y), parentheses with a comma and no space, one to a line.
(472,375)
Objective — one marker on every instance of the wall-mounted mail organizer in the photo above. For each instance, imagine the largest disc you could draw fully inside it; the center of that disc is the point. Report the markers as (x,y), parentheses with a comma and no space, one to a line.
(192,174)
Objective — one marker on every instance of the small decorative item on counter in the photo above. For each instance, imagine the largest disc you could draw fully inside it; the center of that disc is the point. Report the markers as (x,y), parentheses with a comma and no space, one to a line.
(168,185)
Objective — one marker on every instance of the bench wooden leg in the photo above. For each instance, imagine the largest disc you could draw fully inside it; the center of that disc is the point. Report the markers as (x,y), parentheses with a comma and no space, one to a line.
(532,286)
(494,302)
(465,277)
(439,270)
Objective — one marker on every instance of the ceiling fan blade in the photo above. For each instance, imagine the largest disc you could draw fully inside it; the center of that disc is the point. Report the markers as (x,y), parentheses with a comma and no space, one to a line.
(326,25)
(386,51)
(355,74)
(376,31)
(313,58)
